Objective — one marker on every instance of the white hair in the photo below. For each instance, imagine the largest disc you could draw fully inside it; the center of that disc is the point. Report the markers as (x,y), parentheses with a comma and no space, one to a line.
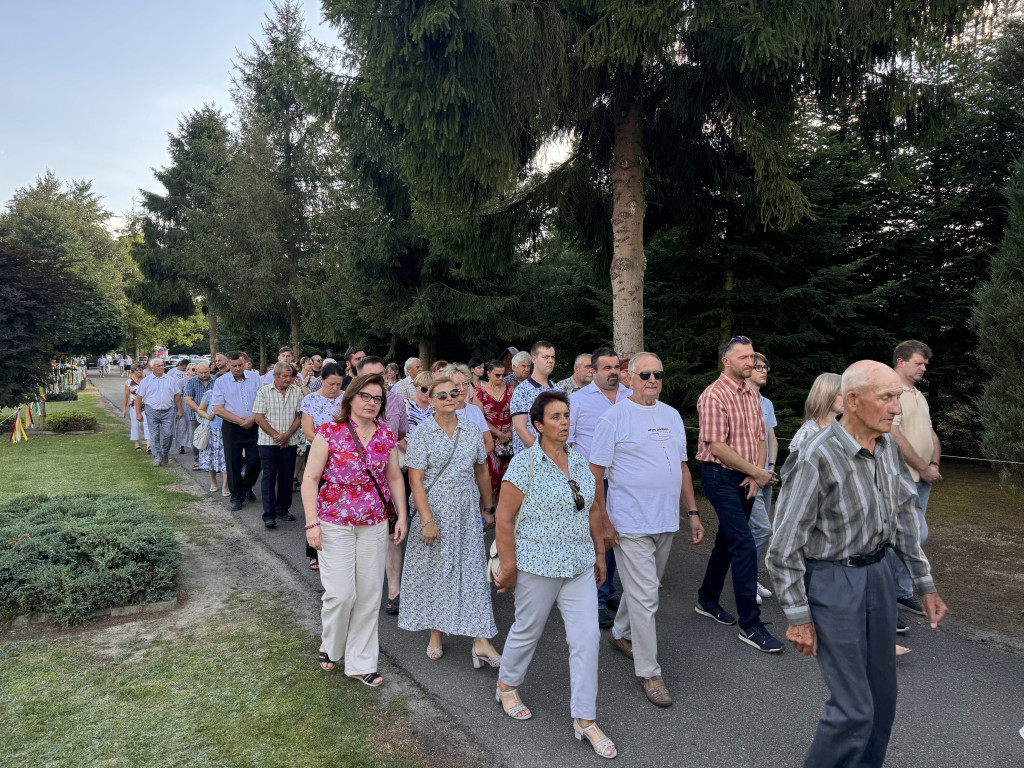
(409,362)
(580,358)
(281,367)
(521,357)
(638,355)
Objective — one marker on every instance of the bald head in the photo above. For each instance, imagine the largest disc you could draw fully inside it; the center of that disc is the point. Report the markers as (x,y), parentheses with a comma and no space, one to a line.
(871,397)
(866,374)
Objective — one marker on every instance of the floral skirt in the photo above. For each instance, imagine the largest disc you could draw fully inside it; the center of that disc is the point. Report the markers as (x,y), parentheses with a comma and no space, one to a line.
(212,456)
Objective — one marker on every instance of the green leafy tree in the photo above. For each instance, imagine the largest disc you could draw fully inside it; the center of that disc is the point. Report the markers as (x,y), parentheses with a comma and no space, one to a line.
(668,104)
(999,322)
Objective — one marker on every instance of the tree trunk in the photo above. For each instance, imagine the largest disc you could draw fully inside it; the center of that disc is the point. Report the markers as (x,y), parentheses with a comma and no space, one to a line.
(294,338)
(426,352)
(628,207)
(263,352)
(211,318)
(725,326)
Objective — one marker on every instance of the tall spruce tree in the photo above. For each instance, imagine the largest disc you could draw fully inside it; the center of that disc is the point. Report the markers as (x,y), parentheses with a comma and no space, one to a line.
(999,322)
(179,241)
(664,101)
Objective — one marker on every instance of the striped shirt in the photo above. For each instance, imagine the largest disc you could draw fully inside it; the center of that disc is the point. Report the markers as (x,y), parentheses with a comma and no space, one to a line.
(280,411)
(730,413)
(839,500)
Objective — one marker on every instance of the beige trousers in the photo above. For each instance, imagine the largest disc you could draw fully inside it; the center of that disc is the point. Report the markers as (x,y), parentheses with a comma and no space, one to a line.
(352,574)
(640,560)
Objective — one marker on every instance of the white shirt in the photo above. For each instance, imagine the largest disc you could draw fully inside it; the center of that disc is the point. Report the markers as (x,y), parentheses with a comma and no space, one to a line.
(178,376)
(586,406)
(157,392)
(475,415)
(643,447)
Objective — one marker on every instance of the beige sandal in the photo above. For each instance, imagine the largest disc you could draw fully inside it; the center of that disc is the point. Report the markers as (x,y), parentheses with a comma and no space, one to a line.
(602,745)
(656,691)
(518,710)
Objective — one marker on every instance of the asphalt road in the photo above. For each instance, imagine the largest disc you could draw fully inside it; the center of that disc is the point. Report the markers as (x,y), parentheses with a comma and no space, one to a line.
(961,701)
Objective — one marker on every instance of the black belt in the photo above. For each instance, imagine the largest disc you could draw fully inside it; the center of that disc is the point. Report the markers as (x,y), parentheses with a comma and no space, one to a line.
(859,561)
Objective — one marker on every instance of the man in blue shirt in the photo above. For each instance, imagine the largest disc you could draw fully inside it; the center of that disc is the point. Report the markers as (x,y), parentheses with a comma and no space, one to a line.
(232,400)
(760,527)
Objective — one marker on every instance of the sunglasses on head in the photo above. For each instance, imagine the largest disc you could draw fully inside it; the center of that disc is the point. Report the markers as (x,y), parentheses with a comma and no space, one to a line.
(576,495)
(645,375)
(366,397)
(442,396)
(741,339)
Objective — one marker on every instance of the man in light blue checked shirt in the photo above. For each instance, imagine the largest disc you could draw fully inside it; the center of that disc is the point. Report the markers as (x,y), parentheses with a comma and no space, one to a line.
(847,498)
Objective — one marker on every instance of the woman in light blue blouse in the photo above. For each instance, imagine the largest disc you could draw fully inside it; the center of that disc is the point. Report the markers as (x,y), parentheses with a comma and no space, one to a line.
(553,553)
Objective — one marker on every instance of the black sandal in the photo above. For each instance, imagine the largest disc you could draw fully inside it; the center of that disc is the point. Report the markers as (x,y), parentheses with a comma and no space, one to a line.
(372,679)
(323,658)
(314,564)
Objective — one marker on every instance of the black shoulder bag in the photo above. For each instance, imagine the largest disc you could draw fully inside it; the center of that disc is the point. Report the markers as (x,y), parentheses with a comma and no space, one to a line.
(389,504)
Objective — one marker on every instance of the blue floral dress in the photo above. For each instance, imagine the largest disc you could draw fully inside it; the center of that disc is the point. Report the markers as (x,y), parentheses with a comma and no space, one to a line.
(444,587)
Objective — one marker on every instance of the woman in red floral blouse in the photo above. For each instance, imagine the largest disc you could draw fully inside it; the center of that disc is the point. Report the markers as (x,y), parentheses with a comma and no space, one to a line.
(346,522)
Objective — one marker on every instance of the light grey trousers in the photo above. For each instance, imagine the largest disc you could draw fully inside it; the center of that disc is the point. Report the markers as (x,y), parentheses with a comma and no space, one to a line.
(641,561)
(577,602)
(352,574)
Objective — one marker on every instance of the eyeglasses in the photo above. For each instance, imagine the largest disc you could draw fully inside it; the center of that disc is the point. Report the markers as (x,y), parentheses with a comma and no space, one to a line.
(442,396)
(576,495)
(764,368)
(366,397)
(646,375)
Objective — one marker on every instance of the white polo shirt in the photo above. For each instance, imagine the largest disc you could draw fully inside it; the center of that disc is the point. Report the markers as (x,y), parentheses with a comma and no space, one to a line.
(586,406)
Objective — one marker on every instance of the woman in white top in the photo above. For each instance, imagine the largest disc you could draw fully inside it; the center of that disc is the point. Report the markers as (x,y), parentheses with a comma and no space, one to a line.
(824,403)
(130,388)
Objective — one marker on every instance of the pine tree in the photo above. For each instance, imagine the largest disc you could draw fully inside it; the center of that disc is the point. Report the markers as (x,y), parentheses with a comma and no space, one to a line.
(999,322)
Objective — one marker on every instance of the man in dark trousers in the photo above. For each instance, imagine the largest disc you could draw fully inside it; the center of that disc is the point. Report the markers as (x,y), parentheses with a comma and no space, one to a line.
(847,499)
(232,399)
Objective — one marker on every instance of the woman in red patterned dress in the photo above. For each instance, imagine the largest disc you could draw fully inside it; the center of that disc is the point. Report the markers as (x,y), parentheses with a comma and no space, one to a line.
(495,396)
(346,522)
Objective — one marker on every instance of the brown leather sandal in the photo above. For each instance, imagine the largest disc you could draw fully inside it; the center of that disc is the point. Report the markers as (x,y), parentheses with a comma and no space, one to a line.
(656,691)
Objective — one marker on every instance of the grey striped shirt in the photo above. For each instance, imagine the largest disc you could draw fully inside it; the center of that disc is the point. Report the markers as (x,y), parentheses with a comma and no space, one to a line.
(839,500)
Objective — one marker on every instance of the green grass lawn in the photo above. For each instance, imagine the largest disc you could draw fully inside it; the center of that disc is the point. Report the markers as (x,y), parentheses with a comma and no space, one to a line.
(105,462)
(237,690)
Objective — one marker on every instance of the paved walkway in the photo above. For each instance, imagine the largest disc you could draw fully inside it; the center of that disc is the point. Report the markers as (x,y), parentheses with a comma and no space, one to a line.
(961,701)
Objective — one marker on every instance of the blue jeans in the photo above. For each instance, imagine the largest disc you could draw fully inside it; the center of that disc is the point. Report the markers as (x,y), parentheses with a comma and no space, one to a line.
(904,584)
(278,465)
(607,590)
(760,528)
(734,545)
(161,430)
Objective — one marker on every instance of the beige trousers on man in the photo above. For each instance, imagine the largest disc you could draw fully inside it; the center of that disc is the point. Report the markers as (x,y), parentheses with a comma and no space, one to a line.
(640,560)
(352,575)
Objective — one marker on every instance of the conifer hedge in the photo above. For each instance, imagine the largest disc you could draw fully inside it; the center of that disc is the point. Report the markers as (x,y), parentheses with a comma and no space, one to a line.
(72,554)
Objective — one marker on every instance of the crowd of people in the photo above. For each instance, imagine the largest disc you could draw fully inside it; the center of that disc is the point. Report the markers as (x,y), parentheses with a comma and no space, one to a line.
(402,479)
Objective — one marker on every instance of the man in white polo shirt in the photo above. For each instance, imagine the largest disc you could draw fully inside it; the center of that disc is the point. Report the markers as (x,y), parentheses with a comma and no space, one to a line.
(160,396)
(641,442)
(586,407)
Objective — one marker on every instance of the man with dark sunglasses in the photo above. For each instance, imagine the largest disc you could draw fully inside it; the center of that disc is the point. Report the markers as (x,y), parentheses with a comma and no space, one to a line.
(641,442)
(733,451)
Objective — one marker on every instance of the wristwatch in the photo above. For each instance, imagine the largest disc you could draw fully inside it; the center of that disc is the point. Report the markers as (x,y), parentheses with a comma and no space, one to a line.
(693,513)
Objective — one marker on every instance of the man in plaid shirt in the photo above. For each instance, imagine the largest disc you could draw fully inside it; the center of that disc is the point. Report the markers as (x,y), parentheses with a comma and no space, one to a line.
(732,450)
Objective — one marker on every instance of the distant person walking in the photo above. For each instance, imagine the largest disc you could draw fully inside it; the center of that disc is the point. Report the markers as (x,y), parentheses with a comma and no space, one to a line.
(760,525)
(195,389)
(848,499)
(131,388)
(160,397)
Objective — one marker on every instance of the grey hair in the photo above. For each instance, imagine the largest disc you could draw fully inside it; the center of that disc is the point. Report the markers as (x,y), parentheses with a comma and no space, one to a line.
(330,360)
(453,368)
(638,355)
(521,357)
(408,364)
(580,357)
(280,367)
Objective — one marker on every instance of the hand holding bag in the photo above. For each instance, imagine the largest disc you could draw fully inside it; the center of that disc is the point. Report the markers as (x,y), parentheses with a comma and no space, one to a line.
(493,563)
(201,437)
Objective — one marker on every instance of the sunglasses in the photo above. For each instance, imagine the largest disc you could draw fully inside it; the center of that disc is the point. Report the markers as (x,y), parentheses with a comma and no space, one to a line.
(645,375)
(442,396)
(741,339)
(577,496)
(424,390)
(366,397)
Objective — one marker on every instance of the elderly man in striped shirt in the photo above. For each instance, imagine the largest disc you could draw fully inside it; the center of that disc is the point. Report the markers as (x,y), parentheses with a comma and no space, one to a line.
(732,448)
(847,499)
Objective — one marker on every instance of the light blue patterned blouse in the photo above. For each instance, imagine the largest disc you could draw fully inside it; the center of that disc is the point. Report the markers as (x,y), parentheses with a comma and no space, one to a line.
(554,537)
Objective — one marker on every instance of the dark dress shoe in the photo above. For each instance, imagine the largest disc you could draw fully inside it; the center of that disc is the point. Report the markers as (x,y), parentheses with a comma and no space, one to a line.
(250,496)
(604,618)
(288,517)
(270,522)
(235,505)
(391,607)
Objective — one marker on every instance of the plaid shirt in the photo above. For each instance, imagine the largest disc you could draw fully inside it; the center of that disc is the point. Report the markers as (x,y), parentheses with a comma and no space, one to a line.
(195,389)
(730,413)
(280,411)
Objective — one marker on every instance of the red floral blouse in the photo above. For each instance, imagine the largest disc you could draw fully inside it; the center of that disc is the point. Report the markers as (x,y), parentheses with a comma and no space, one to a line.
(348,496)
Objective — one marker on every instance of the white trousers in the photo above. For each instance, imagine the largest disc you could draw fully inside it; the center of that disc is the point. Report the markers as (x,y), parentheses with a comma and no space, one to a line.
(577,602)
(640,560)
(352,575)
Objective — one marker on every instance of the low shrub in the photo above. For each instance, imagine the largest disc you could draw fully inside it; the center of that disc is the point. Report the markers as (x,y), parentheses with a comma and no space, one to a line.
(71,421)
(62,397)
(72,554)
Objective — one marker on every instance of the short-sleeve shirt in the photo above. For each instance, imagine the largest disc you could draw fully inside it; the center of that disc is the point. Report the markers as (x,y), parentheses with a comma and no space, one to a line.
(280,411)
(348,497)
(417,415)
(430,449)
(321,409)
(195,389)
(730,413)
(396,416)
(554,537)
(585,408)
(807,430)
(234,395)
(770,422)
(475,415)
(405,389)
(522,399)
(643,447)
(915,422)
(157,392)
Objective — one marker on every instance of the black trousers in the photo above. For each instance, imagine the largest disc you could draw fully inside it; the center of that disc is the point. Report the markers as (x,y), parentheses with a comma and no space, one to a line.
(241,450)
(854,613)
(278,466)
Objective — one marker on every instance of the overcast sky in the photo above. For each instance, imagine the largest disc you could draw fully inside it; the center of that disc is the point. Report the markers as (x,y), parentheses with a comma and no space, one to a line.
(90,90)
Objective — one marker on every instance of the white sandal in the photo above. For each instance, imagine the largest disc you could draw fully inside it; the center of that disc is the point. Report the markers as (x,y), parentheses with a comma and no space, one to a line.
(517,710)
(602,745)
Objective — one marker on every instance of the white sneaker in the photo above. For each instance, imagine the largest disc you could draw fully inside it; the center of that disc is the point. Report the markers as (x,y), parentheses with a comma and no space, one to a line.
(762,592)
(758,599)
